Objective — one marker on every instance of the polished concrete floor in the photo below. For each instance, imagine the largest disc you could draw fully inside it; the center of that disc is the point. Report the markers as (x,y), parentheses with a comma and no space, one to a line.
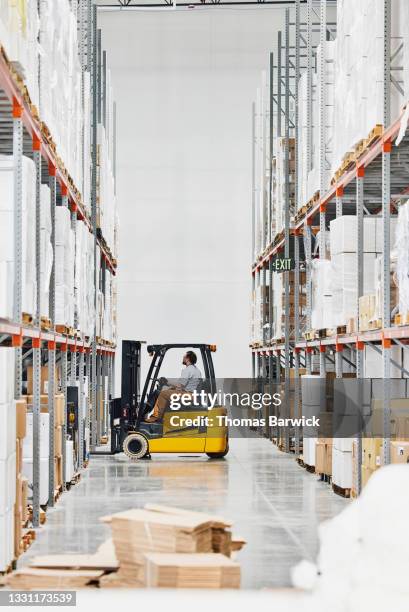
(275,505)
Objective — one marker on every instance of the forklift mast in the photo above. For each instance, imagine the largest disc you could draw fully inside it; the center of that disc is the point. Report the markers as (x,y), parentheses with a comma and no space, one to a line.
(124,409)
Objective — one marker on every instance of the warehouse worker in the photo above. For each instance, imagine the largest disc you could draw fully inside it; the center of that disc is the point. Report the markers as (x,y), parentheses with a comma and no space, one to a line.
(189,380)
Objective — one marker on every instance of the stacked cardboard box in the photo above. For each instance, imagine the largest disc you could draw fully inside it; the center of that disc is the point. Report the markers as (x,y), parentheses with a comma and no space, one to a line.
(203,571)
(30,578)
(367,311)
(186,540)
(323,456)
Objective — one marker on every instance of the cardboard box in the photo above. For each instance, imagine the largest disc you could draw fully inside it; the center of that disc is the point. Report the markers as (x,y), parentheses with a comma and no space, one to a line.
(19,455)
(44,379)
(18,533)
(399,451)
(366,473)
(24,498)
(367,310)
(57,472)
(399,418)
(58,441)
(59,406)
(371,452)
(21,417)
(343,235)
(19,494)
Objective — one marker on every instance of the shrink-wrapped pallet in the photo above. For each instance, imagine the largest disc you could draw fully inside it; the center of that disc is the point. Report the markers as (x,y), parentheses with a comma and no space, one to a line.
(321,280)
(7,234)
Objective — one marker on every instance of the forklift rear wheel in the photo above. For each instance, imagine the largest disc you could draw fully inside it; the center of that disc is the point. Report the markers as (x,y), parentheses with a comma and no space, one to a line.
(218,455)
(135,446)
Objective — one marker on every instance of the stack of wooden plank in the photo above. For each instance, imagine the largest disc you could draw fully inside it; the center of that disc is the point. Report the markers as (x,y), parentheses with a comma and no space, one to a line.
(30,578)
(201,571)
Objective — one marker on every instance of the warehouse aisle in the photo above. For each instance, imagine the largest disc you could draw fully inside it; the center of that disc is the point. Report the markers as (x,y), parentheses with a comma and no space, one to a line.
(275,504)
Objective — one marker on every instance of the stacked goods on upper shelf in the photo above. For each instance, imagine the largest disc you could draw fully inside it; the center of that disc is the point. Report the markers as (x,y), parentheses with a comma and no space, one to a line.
(309,178)
(321,302)
(359,70)
(304,194)
(84,279)
(279,182)
(260,331)
(344,265)
(402,261)
(278,330)
(7,457)
(60,85)
(64,267)
(106,199)
(20,506)
(7,235)
(46,250)
(19,26)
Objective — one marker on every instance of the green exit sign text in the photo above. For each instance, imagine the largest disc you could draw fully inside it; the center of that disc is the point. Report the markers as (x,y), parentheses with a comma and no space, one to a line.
(283,264)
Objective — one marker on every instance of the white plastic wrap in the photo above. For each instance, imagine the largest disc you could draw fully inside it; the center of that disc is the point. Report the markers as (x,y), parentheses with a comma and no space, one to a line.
(359,69)
(7,232)
(321,315)
(344,304)
(402,259)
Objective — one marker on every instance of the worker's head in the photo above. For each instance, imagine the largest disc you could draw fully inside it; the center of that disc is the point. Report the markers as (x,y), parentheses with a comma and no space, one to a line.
(189,358)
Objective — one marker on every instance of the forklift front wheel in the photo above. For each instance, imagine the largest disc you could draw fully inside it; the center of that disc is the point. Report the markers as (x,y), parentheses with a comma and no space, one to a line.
(135,446)
(219,455)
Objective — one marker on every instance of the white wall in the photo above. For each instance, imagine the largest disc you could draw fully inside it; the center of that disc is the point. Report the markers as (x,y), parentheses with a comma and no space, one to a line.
(184,83)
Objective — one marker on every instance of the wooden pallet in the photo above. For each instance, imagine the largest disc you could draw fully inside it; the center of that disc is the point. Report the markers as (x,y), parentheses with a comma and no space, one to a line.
(401,319)
(43,515)
(64,329)
(57,493)
(309,468)
(27,539)
(309,335)
(8,570)
(375,134)
(46,324)
(74,480)
(27,318)
(375,324)
(340,491)
(324,477)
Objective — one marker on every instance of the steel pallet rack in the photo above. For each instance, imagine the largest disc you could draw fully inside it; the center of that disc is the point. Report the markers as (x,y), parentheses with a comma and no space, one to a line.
(21,134)
(377,179)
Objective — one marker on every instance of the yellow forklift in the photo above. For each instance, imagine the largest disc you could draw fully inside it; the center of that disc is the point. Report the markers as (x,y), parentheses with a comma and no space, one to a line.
(196,428)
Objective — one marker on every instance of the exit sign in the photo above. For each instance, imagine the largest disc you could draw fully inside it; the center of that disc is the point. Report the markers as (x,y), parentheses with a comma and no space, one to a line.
(283,264)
